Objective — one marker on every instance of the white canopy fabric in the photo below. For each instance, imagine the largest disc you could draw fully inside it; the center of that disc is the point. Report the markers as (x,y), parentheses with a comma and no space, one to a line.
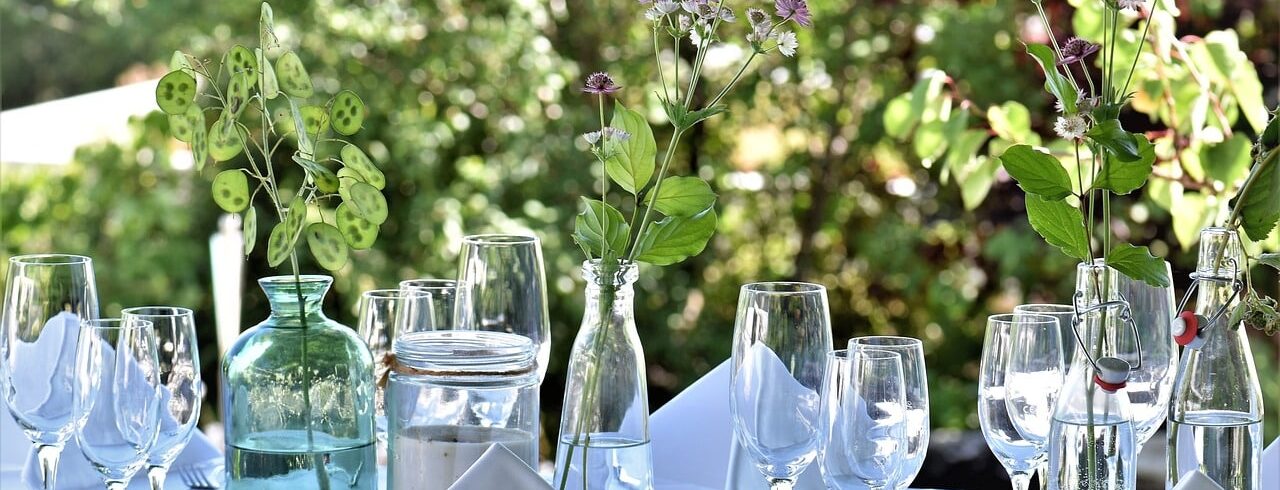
(49,133)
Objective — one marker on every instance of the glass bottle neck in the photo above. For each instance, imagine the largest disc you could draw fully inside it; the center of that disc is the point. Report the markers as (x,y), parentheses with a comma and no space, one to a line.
(610,293)
(292,300)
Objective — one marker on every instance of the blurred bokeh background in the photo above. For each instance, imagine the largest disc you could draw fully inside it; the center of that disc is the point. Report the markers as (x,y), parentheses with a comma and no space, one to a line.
(474,106)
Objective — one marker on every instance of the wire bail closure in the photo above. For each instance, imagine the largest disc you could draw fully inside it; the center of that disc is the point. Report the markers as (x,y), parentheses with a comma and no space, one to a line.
(1110,373)
(1189,328)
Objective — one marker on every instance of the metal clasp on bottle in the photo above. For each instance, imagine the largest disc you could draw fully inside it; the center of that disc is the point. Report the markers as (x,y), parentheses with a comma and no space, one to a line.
(1109,372)
(1189,329)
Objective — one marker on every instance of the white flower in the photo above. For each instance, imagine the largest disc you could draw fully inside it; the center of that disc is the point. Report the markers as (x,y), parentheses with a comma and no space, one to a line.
(700,30)
(727,15)
(653,14)
(760,33)
(684,23)
(1072,127)
(666,6)
(592,137)
(1134,5)
(616,134)
(787,43)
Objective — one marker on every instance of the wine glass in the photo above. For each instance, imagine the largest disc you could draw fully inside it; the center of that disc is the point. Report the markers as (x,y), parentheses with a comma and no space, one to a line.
(508,289)
(181,387)
(448,301)
(46,298)
(1017,453)
(1033,378)
(864,439)
(385,314)
(917,390)
(1150,385)
(780,343)
(118,396)
(1064,315)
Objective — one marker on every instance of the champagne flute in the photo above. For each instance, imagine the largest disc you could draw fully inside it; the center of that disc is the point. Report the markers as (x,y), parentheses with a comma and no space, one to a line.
(508,289)
(781,340)
(448,300)
(46,298)
(1018,454)
(1033,378)
(1151,385)
(864,437)
(181,387)
(117,394)
(917,391)
(1064,314)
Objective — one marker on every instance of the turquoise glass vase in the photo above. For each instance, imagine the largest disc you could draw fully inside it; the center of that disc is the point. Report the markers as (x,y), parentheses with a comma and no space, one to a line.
(298,397)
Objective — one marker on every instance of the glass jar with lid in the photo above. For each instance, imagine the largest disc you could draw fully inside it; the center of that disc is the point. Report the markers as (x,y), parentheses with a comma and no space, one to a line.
(450,395)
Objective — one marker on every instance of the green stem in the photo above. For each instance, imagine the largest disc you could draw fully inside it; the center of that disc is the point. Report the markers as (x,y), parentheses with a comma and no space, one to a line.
(653,194)
(734,81)
(657,58)
(1138,52)
(581,436)
(1053,40)
(604,183)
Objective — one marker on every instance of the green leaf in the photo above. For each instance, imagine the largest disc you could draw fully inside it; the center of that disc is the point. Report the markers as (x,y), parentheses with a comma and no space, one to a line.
(347,112)
(366,201)
(963,151)
(631,163)
(1124,177)
(1055,83)
(359,232)
(231,190)
(270,87)
(327,245)
(1228,161)
(238,93)
(1271,135)
(240,60)
(691,118)
(314,119)
(183,126)
(225,140)
(1060,224)
(292,76)
(898,120)
(278,245)
(975,181)
(1271,259)
(356,160)
(930,141)
(266,27)
(323,178)
(178,61)
(199,142)
(1261,207)
(1139,264)
(295,218)
(1191,212)
(250,231)
(1011,121)
(1036,172)
(676,238)
(300,130)
(175,92)
(684,196)
(590,226)
(1117,142)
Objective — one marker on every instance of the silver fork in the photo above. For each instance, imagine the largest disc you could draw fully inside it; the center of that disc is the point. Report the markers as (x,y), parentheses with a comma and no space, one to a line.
(196,478)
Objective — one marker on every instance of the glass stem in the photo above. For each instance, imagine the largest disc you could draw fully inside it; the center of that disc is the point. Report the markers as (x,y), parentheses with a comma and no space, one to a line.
(156,474)
(780,484)
(1021,480)
(117,484)
(1042,473)
(48,458)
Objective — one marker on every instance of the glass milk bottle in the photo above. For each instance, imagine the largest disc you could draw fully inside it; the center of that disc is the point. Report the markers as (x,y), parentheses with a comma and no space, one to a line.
(453,394)
(1091,439)
(1215,418)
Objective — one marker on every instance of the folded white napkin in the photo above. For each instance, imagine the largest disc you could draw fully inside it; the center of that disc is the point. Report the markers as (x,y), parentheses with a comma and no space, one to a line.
(1270,477)
(694,446)
(13,443)
(74,471)
(1195,480)
(498,467)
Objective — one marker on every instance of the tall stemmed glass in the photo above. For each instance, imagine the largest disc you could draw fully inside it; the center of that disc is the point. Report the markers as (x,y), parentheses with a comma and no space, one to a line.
(448,301)
(386,314)
(1000,427)
(508,289)
(1151,385)
(181,387)
(864,439)
(917,392)
(46,298)
(1064,314)
(780,343)
(117,394)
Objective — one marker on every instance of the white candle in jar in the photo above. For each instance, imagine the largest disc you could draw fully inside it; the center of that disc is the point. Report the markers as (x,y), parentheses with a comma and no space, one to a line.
(432,457)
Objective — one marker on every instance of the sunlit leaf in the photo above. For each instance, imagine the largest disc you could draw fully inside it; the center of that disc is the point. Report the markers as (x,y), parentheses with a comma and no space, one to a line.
(292,76)
(327,245)
(684,196)
(231,190)
(596,221)
(225,140)
(240,60)
(347,112)
(1139,264)
(1060,224)
(631,163)
(676,238)
(250,230)
(358,232)
(175,92)
(356,160)
(1037,172)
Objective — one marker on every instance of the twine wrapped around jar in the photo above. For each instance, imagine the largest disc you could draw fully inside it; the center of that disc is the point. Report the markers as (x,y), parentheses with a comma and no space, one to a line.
(389,364)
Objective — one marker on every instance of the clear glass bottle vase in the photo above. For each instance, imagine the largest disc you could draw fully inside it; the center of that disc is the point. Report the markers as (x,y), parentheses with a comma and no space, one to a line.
(1215,416)
(1091,440)
(297,397)
(604,424)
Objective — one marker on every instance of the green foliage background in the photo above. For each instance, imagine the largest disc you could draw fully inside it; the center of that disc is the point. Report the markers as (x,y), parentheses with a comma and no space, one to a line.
(474,112)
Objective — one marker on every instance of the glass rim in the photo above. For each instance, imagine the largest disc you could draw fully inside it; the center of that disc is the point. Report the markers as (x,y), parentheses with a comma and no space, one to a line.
(500,239)
(169,311)
(301,278)
(117,324)
(466,351)
(1022,319)
(427,284)
(386,294)
(1043,308)
(783,287)
(50,259)
(899,341)
(876,354)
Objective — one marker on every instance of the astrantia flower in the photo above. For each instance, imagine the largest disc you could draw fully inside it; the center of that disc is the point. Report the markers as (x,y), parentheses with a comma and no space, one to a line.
(797,10)
(1072,127)
(667,6)
(760,33)
(615,134)
(600,83)
(726,15)
(684,24)
(692,6)
(1134,5)
(787,43)
(756,17)
(652,14)
(592,137)
(1076,49)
